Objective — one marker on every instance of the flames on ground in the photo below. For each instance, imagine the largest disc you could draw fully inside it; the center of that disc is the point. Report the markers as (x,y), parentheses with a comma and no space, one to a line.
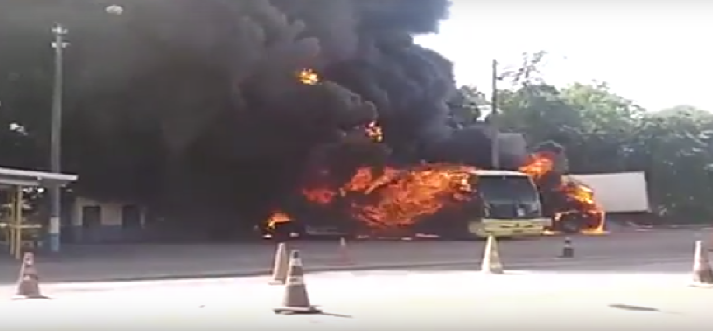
(386,199)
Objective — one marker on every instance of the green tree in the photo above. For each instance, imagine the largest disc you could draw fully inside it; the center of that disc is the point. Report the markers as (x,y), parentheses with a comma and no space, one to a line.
(539,112)
(604,132)
(606,124)
(674,147)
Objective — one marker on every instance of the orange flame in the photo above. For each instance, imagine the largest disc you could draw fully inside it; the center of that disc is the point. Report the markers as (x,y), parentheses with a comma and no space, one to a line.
(373,131)
(277,218)
(584,196)
(398,197)
(539,165)
(319,195)
(308,77)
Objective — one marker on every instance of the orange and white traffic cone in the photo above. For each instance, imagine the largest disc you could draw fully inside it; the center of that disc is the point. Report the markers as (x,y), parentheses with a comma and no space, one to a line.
(28,284)
(702,273)
(296,299)
(491,258)
(281,264)
(344,255)
(567,249)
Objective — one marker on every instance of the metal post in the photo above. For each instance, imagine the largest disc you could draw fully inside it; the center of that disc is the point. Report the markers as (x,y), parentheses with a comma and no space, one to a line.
(495,143)
(12,226)
(56,138)
(19,203)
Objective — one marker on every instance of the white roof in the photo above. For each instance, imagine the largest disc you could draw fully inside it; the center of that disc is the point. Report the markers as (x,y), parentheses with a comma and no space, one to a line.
(10,176)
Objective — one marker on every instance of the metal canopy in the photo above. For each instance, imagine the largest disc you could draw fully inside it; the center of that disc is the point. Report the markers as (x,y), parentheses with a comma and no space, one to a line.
(17,177)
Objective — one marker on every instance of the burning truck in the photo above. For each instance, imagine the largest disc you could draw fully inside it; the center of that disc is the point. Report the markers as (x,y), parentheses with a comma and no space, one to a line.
(451,201)
(567,201)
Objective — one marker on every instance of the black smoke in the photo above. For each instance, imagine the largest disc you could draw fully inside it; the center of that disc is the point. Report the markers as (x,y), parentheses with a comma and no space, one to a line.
(194,105)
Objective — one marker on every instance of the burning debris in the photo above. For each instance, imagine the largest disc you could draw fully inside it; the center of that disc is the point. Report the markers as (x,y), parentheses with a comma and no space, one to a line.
(570,202)
(276,219)
(275,227)
(374,132)
(308,77)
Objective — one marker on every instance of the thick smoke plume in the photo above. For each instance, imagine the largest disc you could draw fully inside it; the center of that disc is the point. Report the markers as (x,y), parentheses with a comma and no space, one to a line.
(216,79)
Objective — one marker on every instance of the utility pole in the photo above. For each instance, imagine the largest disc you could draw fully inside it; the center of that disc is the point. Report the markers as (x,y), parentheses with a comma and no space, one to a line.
(55,192)
(495,130)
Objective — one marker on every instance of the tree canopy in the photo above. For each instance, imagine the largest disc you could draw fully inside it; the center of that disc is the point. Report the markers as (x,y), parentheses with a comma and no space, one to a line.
(605,132)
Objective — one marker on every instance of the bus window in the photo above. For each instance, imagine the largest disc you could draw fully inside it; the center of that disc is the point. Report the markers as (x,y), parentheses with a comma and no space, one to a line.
(507,189)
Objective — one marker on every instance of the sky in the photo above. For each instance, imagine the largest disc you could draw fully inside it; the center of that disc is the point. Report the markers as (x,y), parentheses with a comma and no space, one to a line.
(658,54)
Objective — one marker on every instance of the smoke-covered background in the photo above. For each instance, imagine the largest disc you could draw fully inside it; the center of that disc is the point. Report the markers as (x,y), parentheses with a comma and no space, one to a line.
(193,106)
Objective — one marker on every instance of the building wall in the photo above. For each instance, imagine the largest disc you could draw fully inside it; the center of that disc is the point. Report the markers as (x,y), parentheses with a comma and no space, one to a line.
(101,222)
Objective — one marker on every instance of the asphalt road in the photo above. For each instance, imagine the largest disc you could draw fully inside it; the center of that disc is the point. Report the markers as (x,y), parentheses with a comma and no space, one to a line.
(105,263)
(636,279)
(419,300)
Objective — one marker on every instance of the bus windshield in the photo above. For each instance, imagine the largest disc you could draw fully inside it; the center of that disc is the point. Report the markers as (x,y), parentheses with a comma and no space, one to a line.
(507,189)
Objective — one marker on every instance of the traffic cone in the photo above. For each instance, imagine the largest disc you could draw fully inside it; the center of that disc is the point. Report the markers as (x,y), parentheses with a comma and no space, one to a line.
(296,299)
(567,249)
(281,264)
(702,273)
(28,284)
(345,256)
(491,258)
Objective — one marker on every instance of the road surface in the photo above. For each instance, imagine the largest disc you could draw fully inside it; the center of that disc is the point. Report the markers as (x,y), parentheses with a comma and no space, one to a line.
(417,299)
(141,262)
(619,280)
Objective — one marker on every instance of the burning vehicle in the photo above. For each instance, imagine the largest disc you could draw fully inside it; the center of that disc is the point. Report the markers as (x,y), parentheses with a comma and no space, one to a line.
(451,202)
(430,200)
(448,201)
(567,201)
(443,200)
